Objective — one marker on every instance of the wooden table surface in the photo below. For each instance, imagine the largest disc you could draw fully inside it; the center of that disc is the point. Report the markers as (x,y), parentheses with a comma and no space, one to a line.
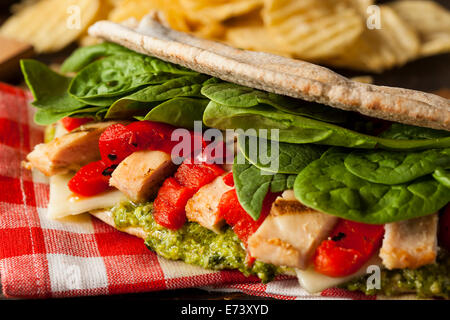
(428,74)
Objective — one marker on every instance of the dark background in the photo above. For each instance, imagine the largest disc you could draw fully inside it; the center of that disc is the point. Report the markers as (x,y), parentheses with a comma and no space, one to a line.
(427,74)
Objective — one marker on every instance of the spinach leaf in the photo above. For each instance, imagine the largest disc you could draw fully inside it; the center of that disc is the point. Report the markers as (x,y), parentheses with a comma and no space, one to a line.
(401,131)
(49,88)
(262,117)
(281,182)
(287,158)
(120,74)
(297,129)
(326,185)
(390,167)
(234,95)
(82,57)
(48,116)
(179,112)
(442,176)
(100,101)
(187,86)
(253,184)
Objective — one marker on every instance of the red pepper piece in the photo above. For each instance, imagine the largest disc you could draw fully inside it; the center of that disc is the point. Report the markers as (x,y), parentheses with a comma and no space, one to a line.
(228,179)
(197,175)
(73,123)
(116,143)
(444,229)
(152,135)
(351,245)
(169,204)
(242,223)
(91,179)
(217,152)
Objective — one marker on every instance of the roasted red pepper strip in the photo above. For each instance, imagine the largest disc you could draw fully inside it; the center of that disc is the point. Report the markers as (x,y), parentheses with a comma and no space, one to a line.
(444,229)
(116,143)
(242,223)
(351,245)
(228,179)
(119,141)
(152,135)
(169,205)
(197,175)
(72,123)
(91,179)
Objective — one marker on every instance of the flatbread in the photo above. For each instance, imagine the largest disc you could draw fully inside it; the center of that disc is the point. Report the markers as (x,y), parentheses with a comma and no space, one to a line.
(278,74)
(105,216)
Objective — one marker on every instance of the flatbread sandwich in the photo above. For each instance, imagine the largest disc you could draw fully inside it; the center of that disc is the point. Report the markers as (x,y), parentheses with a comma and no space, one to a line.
(232,159)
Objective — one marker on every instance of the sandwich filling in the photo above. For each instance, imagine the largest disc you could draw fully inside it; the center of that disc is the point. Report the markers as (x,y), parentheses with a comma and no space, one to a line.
(268,183)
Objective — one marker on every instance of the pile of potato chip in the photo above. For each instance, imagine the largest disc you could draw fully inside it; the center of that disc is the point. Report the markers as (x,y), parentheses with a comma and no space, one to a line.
(356,34)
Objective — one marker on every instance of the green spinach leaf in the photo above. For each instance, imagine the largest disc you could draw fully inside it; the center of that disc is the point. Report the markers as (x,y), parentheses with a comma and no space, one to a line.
(326,185)
(82,57)
(285,158)
(401,131)
(119,74)
(442,176)
(390,167)
(100,101)
(297,129)
(49,88)
(48,116)
(234,95)
(253,184)
(131,105)
(179,112)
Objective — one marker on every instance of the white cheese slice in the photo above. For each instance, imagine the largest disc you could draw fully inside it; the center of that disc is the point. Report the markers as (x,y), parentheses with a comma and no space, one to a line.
(64,203)
(60,130)
(313,281)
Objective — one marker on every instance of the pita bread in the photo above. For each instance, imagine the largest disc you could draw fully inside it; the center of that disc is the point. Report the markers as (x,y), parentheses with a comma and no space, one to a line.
(105,216)
(278,74)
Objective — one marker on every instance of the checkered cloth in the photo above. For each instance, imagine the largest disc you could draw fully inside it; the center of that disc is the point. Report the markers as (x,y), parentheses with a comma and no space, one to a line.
(79,256)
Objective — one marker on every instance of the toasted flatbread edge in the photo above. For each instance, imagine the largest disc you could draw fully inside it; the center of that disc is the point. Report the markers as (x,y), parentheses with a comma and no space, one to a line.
(105,216)
(278,74)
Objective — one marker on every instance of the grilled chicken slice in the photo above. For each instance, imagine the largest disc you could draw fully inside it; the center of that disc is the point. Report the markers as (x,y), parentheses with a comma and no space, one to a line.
(291,233)
(140,174)
(411,243)
(68,152)
(203,206)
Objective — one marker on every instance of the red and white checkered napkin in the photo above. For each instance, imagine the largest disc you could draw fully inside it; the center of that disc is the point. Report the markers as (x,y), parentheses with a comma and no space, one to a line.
(79,256)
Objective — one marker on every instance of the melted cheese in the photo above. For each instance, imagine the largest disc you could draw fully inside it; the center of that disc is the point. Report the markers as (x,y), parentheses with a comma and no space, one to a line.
(314,282)
(64,203)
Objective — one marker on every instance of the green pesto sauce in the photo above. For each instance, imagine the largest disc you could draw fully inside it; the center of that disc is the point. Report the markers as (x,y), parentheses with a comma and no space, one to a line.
(426,282)
(192,243)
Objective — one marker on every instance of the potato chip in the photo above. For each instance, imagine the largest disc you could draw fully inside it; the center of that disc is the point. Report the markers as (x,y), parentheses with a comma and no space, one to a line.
(361,5)
(248,32)
(363,79)
(430,20)
(210,30)
(218,10)
(394,44)
(137,9)
(312,29)
(50,25)
(19,6)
